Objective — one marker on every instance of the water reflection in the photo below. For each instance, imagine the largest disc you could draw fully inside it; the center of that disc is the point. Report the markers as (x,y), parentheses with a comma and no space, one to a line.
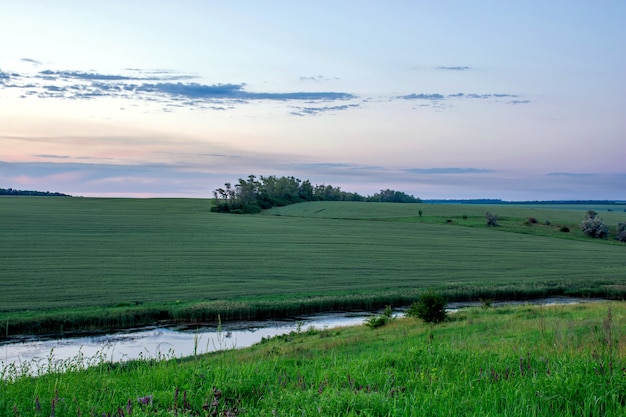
(158,342)
(37,355)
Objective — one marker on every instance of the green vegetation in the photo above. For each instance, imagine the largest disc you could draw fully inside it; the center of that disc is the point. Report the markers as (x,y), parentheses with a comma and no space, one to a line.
(594,226)
(430,307)
(513,361)
(511,217)
(381,319)
(73,264)
(14,192)
(252,196)
(492,219)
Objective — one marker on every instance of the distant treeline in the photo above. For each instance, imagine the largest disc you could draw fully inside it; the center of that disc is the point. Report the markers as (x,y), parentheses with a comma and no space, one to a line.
(11,191)
(533,202)
(254,195)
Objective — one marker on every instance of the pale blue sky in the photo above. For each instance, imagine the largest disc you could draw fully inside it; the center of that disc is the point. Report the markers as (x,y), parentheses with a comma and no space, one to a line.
(456,99)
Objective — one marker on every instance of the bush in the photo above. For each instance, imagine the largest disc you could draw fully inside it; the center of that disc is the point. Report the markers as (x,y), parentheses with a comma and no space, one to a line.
(430,307)
(380,320)
(594,226)
(492,219)
(564,229)
(532,220)
(621,232)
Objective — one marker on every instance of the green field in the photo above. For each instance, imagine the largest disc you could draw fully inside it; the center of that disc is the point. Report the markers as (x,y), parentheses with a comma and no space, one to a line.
(92,258)
(511,361)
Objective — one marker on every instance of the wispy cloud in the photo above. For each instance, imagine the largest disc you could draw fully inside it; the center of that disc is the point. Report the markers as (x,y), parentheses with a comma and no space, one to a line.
(325,166)
(52,156)
(34,62)
(318,79)
(423,96)
(94,76)
(452,170)
(178,90)
(437,100)
(108,179)
(444,68)
(514,102)
(308,111)
(166,87)
(570,174)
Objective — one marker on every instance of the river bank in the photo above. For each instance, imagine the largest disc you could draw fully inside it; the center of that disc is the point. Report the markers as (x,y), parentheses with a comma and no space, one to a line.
(87,321)
(515,360)
(36,354)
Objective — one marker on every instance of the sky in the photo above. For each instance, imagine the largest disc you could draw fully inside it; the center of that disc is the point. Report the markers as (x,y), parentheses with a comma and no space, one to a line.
(442,100)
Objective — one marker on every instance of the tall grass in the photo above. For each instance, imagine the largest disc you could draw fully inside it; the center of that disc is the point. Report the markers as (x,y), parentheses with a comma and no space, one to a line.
(98,320)
(515,361)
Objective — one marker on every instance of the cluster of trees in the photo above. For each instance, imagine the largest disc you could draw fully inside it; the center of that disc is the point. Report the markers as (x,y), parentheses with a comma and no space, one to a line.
(253,195)
(12,191)
(593,226)
(391,196)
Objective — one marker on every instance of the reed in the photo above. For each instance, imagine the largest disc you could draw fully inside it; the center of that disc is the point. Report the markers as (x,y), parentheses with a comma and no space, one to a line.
(98,320)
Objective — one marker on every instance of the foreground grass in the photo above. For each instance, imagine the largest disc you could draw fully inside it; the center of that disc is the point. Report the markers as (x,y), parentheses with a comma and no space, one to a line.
(79,263)
(522,361)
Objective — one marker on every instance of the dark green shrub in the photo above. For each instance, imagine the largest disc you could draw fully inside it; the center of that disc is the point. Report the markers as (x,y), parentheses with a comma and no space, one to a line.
(486,302)
(492,219)
(564,229)
(430,307)
(380,320)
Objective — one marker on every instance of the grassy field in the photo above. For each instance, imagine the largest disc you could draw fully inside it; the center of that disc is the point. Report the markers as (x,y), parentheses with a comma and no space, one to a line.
(511,217)
(511,361)
(84,262)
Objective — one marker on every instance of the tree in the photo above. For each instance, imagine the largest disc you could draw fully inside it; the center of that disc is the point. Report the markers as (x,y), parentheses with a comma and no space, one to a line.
(492,219)
(621,232)
(392,196)
(594,226)
(252,195)
(430,307)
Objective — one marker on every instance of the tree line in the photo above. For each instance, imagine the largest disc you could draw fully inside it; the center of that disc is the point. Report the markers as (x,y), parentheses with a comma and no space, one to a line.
(12,191)
(256,194)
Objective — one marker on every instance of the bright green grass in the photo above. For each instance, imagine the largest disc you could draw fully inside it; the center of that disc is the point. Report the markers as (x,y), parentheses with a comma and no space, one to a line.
(515,361)
(62,253)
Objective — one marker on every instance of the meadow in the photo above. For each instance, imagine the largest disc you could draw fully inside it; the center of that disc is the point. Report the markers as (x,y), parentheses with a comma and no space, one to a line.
(73,264)
(513,361)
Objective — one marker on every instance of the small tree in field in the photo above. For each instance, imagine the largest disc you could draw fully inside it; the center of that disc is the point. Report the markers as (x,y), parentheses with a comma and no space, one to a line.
(492,219)
(430,307)
(621,232)
(594,226)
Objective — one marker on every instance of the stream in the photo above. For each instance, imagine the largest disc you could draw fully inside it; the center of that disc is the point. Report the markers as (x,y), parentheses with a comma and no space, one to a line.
(37,355)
